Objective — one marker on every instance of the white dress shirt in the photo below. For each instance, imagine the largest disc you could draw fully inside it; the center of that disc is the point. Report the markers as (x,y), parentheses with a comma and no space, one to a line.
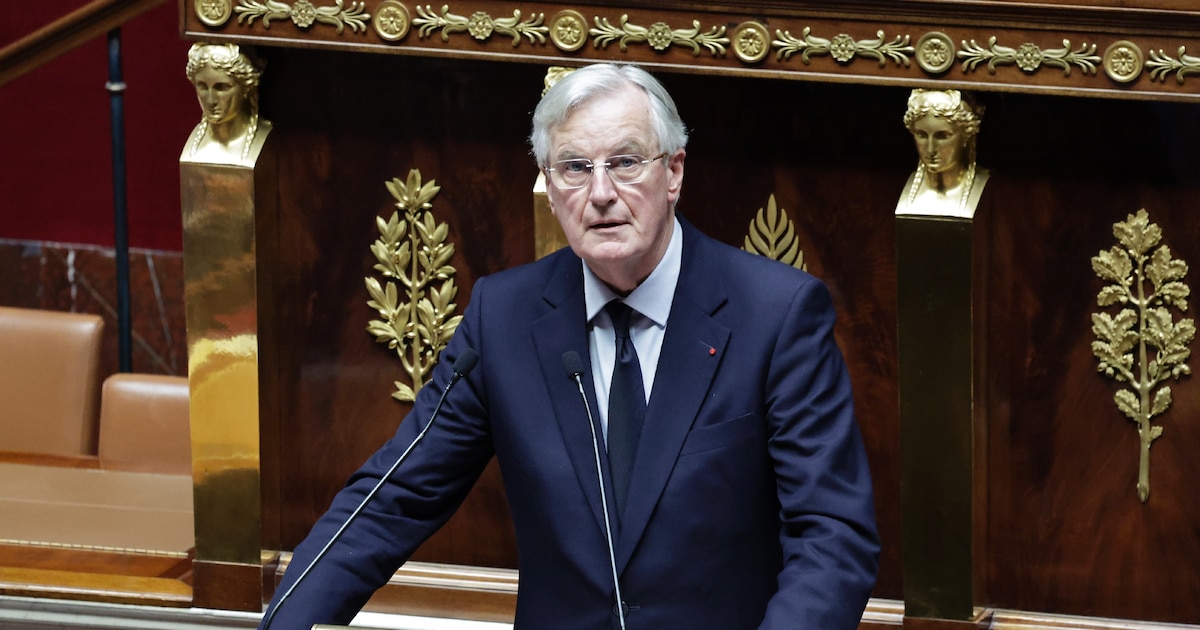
(651,303)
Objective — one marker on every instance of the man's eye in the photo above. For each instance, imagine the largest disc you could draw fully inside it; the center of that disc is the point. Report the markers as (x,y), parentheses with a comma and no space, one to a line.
(575,166)
(624,161)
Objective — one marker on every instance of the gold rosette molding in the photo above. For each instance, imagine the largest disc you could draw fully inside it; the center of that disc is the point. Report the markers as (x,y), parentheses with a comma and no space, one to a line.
(772,234)
(412,253)
(1142,345)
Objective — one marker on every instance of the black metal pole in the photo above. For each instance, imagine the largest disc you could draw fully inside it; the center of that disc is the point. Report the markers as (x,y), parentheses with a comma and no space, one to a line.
(116,94)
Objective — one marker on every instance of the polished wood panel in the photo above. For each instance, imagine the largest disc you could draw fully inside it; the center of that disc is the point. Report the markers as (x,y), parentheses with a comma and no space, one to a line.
(427,115)
(228,586)
(836,158)
(46,459)
(1066,532)
(98,561)
(374,120)
(114,589)
(982,621)
(95,575)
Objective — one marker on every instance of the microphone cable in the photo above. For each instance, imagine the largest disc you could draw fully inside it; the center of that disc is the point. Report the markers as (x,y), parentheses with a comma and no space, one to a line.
(463,366)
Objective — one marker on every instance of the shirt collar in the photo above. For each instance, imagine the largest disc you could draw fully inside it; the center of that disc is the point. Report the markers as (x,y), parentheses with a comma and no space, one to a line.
(652,298)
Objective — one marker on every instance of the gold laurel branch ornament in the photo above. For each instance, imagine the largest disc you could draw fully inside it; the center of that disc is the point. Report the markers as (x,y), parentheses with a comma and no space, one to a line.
(772,234)
(1142,345)
(412,253)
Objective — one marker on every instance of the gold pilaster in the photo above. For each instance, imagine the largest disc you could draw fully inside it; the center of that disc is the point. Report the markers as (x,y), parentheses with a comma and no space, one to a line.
(938,423)
(221,287)
(548,236)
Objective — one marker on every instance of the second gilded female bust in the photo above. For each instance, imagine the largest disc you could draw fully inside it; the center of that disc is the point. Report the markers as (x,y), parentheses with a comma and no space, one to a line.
(947,181)
(226,82)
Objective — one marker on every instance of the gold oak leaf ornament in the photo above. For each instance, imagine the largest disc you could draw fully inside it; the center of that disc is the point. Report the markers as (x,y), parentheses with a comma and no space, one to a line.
(1142,345)
(413,254)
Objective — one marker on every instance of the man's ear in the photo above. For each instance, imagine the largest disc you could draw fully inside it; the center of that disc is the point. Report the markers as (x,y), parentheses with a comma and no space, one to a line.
(675,179)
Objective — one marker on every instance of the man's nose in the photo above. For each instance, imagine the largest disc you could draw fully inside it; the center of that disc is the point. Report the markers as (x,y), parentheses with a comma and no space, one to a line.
(603,189)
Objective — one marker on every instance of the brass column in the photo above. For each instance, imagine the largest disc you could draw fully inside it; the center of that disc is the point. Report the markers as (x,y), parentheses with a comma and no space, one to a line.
(220,203)
(940,431)
(228,186)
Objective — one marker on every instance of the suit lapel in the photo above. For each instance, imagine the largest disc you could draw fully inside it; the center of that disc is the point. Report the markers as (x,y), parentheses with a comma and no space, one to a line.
(564,329)
(692,349)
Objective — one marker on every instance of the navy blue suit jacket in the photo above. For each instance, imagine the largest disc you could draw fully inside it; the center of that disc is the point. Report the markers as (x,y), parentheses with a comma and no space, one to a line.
(750,503)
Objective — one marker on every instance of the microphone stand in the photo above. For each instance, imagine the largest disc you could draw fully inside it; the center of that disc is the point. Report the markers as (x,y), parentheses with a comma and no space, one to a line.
(574,367)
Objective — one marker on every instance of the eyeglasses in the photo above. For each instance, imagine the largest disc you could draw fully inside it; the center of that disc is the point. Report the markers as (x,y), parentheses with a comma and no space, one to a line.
(623,169)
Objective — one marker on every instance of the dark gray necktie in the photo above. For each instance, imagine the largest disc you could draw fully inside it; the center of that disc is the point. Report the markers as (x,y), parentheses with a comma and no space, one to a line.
(626,404)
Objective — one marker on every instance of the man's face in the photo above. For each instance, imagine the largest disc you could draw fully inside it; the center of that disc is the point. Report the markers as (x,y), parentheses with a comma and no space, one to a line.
(220,96)
(620,230)
(939,143)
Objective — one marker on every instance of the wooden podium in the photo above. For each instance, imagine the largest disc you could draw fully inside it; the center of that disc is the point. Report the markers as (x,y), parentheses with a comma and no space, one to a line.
(1091,115)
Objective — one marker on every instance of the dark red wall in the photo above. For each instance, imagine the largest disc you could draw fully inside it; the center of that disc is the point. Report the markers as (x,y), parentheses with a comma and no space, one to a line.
(56,148)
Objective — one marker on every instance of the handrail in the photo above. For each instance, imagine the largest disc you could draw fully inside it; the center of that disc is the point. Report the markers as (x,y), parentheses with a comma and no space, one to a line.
(66,33)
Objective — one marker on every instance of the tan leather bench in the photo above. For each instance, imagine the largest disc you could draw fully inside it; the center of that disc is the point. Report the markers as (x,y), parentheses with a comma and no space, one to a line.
(136,496)
(144,424)
(49,381)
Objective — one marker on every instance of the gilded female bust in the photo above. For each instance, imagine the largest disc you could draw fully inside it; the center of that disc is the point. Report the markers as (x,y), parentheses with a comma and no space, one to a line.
(947,182)
(226,82)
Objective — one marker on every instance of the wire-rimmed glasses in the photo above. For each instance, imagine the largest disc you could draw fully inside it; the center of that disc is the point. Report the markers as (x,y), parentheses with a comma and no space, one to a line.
(623,169)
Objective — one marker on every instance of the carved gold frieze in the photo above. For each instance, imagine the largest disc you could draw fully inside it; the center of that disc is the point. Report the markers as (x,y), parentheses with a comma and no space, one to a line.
(480,25)
(1029,57)
(1162,64)
(392,20)
(569,30)
(660,36)
(843,48)
(304,14)
(1142,345)
(772,234)
(413,255)
(214,12)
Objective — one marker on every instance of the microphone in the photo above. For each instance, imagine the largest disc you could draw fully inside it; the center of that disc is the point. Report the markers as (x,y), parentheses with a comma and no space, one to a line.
(462,366)
(573,366)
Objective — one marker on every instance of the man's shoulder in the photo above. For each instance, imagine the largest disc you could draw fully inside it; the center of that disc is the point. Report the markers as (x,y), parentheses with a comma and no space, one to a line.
(537,274)
(738,265)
